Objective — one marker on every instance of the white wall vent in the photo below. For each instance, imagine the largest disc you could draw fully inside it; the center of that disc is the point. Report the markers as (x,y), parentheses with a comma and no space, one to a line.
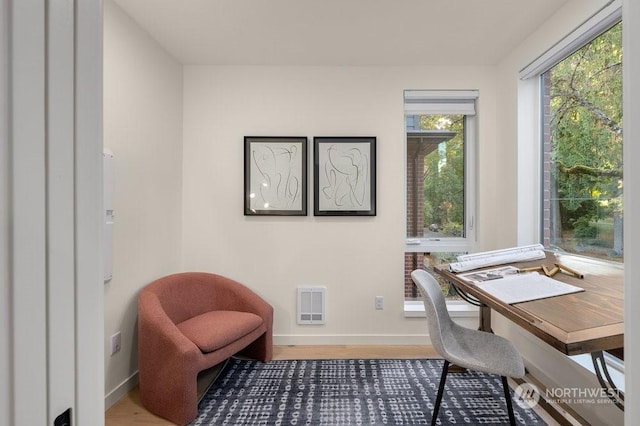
(311,303)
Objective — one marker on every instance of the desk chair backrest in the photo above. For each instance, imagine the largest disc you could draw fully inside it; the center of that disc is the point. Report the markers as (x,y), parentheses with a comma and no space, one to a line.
(465,347)
(439,322)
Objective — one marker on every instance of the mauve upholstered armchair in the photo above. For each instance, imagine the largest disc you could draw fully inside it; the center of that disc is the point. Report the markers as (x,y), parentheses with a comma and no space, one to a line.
(187,323)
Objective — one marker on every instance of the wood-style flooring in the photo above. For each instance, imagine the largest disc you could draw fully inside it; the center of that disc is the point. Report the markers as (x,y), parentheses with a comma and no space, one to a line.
(128,411)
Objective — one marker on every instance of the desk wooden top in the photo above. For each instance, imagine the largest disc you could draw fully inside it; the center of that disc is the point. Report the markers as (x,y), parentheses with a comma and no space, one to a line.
(584,322)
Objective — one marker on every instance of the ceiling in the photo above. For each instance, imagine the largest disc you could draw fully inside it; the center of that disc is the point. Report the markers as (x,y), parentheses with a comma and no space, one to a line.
(340,32)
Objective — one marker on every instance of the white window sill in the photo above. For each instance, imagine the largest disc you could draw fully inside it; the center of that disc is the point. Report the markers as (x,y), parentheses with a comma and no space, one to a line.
(426,245)
(457,309)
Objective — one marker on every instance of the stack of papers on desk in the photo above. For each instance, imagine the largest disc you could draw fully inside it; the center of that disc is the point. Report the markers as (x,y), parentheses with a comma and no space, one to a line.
(526,287)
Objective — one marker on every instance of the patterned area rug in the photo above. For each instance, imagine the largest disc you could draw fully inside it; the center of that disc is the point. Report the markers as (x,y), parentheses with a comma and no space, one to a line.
(353,392)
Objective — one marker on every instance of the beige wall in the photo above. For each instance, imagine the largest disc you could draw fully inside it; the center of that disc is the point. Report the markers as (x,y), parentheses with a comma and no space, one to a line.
(143,128)
(356,258)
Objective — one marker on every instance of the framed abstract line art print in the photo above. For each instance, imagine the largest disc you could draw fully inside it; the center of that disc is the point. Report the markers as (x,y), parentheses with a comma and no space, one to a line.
(344,171)
(275,175)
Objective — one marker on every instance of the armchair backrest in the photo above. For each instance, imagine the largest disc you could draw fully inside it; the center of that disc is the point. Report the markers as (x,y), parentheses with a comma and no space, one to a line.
(186,295)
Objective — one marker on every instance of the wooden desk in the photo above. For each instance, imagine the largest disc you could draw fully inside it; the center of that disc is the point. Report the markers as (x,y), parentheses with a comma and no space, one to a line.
(585,322)
(591,321)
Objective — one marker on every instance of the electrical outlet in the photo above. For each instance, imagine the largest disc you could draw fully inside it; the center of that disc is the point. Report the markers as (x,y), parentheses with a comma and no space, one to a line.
(116,343)
(379,302)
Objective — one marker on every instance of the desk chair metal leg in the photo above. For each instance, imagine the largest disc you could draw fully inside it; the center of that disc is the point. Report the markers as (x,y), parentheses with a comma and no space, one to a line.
(443,379)
(507,397)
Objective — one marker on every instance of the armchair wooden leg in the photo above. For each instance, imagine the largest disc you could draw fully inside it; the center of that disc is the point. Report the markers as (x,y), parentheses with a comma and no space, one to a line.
(507,397)
(436,407)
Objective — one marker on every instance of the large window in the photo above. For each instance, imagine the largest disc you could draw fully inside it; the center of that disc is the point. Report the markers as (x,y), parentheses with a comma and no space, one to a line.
(581,185)
(582,150)
(440,132)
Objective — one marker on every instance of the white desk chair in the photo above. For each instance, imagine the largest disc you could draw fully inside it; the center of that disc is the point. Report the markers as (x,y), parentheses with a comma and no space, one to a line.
(472,349)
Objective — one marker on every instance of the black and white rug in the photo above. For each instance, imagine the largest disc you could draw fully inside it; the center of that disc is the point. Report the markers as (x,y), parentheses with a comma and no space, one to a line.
(353,392)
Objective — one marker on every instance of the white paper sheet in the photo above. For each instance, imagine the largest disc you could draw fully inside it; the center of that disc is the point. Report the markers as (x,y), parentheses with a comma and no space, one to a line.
(526,287)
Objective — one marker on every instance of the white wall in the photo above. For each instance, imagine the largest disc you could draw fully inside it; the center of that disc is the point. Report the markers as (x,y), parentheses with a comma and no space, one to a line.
(518,142)
(6,414)
(357,258)
(143,128)
(631,45)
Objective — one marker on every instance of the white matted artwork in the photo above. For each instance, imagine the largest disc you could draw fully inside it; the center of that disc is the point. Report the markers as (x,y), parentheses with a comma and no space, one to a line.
(344,176)
(275,175)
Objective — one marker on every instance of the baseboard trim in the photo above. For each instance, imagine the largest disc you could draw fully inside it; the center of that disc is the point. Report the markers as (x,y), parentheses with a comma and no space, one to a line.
(351,339)
(121,390)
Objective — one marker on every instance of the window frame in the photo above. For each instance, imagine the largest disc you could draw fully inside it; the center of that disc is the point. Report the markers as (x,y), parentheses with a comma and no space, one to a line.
(531,115)
(450,244)
(466,244)
(599,29)
(531,126)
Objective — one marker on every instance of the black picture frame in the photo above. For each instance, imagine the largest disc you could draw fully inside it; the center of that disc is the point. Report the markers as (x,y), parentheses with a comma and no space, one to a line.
(275,175)
(344,175)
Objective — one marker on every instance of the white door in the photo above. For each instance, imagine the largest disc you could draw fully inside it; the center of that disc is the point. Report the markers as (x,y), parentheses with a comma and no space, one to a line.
(5,276)
(50,184)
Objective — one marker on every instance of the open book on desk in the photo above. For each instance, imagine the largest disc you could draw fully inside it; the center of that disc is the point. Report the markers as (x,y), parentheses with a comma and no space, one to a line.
(525,287)
(478,277)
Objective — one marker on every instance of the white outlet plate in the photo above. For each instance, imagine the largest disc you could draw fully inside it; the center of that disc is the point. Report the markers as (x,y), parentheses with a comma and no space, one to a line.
(379,302)
(116,343)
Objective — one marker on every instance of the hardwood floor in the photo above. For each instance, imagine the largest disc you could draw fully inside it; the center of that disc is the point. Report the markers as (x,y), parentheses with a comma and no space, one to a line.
(128,411)
(347,352)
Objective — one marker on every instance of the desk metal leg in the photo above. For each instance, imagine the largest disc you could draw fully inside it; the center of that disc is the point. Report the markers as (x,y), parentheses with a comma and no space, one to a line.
(485,319)
(485,311)
(600,366)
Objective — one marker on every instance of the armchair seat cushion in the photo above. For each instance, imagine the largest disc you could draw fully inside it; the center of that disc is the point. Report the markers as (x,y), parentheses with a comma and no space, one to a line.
(216,329)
